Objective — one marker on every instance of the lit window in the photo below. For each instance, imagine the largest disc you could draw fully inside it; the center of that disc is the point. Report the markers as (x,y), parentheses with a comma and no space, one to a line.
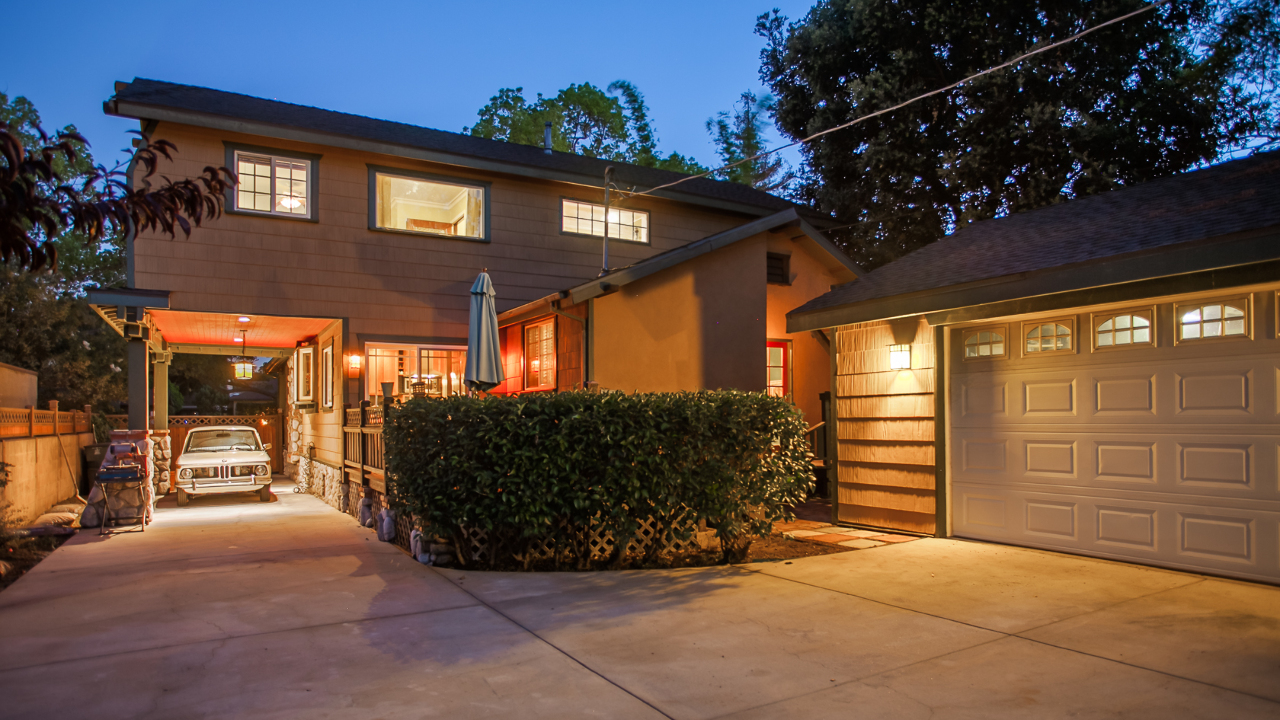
(983,344)
(274,185)
(587,219)
(403,365)
(443,370)
(540,356)
(1054,336)
(1126,328)
(778,384)
(1226,318)
(427,206)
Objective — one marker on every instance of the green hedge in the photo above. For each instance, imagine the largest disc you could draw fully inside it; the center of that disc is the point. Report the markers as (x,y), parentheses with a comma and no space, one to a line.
(546,468)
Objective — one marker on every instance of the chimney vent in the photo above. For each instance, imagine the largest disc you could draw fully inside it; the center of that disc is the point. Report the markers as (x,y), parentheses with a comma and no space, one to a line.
(546,138)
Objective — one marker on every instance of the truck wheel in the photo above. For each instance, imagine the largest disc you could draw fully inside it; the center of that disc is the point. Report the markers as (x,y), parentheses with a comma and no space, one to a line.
(183,498)
(264,493)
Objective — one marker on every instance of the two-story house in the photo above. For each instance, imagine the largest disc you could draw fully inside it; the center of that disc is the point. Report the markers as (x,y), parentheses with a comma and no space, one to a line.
(350,244)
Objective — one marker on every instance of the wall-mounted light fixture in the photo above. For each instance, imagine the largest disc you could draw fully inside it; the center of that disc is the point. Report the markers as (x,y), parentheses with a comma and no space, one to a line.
(899,357)
(353,367)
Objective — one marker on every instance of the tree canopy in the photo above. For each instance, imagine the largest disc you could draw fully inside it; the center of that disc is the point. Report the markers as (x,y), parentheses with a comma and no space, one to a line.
(586,120)
(1160,93)
(740,135)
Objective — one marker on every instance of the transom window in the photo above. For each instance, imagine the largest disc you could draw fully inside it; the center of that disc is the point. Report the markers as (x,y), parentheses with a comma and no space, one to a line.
(540,356)
(1046,337)
(587,219)
(984,344)
(429,206)
(272,184)
(1121,329)
(1218,319)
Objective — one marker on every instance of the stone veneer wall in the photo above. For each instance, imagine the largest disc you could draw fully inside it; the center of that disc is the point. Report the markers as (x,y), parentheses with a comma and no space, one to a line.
(325,482)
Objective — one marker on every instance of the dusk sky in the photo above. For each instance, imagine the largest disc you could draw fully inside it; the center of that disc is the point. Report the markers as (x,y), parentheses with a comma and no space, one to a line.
(427,63)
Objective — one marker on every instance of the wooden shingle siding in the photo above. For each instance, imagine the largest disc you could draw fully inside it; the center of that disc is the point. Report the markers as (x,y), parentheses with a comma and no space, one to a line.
(570,349)
(885,427)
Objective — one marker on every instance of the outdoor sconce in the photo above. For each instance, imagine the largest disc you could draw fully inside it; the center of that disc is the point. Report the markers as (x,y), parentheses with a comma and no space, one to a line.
(899,357)
(353,367)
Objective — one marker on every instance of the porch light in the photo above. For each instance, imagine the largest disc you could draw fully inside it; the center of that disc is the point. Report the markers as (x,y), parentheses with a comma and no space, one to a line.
(353,367)
(899,357)
(244,369)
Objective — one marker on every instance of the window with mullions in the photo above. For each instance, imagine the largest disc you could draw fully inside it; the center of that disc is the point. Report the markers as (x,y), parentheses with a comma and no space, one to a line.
(984,343)
(1211,320)
(273,185)
(778,383)
(1053,336)
(582,218)
(1127,328)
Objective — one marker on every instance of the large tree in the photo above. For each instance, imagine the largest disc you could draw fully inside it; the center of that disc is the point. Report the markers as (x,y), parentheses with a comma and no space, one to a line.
(586,120)
(1159,93)
(739,138)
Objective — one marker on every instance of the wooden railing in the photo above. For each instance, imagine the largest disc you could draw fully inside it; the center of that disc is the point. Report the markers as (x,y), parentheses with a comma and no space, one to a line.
(363,453)
(817,437)
(30,422)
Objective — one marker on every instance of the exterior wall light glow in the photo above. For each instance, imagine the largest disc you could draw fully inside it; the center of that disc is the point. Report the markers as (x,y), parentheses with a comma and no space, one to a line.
(899,357)
(353,367)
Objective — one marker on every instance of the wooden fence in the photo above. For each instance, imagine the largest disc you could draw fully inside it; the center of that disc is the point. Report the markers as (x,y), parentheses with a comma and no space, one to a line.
(269,428)
(363,455)
(30,422)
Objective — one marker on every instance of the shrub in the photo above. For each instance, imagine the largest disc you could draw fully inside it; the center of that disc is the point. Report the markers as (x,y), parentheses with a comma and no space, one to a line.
(547,468)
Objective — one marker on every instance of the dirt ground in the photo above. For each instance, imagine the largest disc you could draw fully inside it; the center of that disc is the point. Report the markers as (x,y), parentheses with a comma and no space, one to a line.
(18,555)
(777,547)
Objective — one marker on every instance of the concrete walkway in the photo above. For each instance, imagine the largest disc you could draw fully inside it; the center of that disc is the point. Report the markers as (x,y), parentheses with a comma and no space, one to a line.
(238,609)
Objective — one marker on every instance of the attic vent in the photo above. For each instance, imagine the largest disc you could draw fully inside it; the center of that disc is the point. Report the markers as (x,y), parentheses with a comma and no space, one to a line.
(779,268)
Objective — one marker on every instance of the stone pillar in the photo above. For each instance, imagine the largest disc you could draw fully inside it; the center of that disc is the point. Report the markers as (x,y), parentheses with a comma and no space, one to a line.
(161,383)
(139,385)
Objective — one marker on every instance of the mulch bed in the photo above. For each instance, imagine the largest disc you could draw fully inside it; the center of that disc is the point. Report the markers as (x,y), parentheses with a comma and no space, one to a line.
(18,555)
(777,547)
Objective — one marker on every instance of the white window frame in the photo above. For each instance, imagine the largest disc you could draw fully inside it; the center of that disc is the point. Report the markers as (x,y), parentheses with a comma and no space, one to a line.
(276,161)
(413,365)
(376,171)
(326,376)
(1029,326)
(304,391)
(1181,308)
(966,333)
(615,228)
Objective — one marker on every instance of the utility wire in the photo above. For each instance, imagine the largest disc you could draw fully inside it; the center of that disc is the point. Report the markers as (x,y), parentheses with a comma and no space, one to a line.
(917,98)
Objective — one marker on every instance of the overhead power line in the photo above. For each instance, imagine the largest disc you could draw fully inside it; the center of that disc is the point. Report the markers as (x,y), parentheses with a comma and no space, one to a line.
(905,103)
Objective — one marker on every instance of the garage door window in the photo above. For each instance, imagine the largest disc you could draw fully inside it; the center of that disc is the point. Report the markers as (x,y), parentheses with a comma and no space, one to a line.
(1123,329)
(984,343)
(1054,336)
(1217,319)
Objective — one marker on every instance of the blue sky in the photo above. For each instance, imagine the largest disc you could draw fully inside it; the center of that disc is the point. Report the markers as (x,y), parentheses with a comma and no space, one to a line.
(427,63)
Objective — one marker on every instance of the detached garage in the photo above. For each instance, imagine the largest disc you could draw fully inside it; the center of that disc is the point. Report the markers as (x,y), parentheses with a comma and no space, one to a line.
(1099,377)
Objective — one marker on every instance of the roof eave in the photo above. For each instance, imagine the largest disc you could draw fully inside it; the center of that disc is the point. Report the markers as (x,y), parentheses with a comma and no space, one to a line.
(144,111)
(1234,250)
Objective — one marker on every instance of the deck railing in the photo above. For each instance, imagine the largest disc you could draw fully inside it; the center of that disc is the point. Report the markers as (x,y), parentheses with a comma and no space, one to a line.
(363,455)
(30,422)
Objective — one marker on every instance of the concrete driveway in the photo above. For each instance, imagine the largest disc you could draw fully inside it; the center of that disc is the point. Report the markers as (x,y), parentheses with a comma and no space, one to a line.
(238,609)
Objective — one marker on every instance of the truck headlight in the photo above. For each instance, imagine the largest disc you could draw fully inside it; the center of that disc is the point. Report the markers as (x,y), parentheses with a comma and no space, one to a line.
(261,470)
(185,473)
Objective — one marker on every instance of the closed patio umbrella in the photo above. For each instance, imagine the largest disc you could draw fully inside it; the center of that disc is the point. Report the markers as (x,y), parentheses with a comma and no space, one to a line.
(484,355)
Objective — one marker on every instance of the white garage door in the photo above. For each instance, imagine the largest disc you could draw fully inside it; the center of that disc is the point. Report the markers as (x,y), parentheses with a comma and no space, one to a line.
(1162,453)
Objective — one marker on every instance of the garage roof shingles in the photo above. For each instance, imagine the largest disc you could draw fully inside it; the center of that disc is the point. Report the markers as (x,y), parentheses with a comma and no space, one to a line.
(1233,197)
(206,101)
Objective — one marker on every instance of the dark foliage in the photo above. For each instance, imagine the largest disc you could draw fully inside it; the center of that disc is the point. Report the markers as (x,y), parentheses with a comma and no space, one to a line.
(1165,91)
(38,203)
(548,467)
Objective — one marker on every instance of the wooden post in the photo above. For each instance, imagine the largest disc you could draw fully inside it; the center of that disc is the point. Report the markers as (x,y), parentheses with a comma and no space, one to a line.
(31,421)
(53,407)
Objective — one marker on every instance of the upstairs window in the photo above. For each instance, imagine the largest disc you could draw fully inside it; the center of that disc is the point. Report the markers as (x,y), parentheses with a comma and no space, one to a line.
(1123,329)
(1216,319)
(273,185)
(579,218)
(984,343)
(1053,336)
(426,205)
(778,268)
(540,356)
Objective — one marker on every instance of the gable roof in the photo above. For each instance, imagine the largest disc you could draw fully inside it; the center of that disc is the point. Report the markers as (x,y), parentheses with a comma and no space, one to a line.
(1097,240)
(170,102)
(620,277)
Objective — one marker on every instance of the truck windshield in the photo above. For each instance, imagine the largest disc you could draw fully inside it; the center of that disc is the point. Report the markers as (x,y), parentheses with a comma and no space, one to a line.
(218,440)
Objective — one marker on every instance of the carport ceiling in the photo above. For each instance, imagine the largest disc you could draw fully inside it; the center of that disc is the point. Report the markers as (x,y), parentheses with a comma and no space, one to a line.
(221,329)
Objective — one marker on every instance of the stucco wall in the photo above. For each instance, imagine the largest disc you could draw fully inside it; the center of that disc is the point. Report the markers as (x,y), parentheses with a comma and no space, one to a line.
(17,387)
(700,324)
(810,359)
(41,475)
